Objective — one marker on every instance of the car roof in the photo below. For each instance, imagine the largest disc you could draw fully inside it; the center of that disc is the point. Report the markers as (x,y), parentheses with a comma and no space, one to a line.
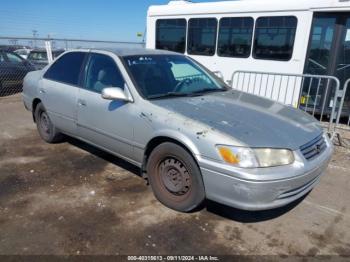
(133,51)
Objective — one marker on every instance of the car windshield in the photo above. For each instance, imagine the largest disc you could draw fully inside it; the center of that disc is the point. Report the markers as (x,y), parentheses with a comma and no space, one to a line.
(161,76)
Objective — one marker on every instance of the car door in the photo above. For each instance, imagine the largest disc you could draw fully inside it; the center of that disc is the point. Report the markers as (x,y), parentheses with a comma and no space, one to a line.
(105,123)
(58,90)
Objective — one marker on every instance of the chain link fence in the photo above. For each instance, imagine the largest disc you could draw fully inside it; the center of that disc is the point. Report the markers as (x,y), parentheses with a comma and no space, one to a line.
(21,55)
(342,126)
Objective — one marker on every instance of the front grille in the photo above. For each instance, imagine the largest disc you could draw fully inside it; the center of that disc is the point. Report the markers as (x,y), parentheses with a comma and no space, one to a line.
(314,148)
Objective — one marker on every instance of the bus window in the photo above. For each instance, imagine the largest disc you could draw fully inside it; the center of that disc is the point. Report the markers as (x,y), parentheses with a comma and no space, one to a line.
(202,36)
(171,35)
(274,37)
(235,37)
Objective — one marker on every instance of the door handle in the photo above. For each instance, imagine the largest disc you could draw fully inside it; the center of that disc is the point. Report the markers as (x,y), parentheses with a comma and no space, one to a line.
(42,91)
(81,102)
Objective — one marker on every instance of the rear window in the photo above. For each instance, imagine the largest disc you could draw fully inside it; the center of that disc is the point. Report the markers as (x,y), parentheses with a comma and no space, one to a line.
(66,69)
(13,58)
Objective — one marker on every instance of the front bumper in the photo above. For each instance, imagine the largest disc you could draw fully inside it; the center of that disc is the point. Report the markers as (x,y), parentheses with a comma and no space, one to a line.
(263,189)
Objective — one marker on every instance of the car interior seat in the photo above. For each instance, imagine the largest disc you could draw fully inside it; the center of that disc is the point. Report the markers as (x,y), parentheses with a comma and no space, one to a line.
(107,77)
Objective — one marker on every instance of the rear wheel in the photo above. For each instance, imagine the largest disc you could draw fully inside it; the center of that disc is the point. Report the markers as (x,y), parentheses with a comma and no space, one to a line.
(175,178)
(46,129)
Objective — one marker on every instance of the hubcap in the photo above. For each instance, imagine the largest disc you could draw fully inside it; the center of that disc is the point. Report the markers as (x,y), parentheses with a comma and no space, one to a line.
(45,122)
(175,176)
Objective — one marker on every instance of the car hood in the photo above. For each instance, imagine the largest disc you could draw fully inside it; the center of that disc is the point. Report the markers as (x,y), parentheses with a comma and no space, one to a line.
(254,121)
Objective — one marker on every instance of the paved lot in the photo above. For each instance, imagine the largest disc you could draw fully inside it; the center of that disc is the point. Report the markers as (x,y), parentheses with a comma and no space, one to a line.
(73,199)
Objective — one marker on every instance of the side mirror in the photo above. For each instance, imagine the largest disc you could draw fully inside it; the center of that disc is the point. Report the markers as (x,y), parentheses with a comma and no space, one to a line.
(115,93)
(219,74)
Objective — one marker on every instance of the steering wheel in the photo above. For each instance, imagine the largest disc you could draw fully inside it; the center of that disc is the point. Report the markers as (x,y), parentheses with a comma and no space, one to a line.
(180,86)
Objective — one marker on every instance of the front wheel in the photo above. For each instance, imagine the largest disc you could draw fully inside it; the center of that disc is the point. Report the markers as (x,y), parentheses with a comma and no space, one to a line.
(175,178)
(46,129)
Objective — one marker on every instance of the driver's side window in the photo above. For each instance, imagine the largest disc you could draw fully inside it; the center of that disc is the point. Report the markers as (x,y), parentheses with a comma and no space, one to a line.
(102,72)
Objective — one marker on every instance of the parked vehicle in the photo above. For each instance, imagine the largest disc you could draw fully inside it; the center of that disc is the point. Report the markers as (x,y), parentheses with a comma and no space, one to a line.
(13,48)
(38,57)
(288,37)
(24,52)
(13,69)
(192,136)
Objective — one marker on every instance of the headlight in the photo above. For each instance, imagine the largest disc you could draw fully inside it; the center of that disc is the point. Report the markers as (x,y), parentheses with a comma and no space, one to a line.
(252,158)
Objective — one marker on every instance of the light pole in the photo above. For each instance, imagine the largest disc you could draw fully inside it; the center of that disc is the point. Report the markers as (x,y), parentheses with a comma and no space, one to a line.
(35,34)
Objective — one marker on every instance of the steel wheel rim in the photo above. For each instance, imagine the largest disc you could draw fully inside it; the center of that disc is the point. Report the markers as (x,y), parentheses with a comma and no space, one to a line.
(45,123)
(175,176)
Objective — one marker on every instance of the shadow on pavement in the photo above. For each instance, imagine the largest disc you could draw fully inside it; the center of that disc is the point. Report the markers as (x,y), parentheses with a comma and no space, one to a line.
(250,216)
(104,155)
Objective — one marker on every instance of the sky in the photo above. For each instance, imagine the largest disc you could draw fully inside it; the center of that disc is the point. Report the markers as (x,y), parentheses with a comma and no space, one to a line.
(115,20)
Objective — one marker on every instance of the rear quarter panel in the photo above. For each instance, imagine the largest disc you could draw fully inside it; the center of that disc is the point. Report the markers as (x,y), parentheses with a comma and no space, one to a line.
(30,88)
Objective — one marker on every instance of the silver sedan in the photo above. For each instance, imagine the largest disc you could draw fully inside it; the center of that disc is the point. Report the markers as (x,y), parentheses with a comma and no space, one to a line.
(193,137)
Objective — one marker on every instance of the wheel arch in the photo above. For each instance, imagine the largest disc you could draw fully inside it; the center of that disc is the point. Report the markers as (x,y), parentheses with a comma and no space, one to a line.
(35,103)
(185,143)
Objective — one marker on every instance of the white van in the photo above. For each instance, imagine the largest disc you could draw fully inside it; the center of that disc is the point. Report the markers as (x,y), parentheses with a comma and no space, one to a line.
(295,37)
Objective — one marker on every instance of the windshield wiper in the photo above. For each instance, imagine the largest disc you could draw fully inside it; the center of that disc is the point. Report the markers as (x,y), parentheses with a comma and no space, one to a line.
(207,90)
(192,94)
(169,94)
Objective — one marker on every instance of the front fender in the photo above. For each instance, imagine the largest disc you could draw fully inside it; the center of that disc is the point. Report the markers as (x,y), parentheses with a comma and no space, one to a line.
(180,137)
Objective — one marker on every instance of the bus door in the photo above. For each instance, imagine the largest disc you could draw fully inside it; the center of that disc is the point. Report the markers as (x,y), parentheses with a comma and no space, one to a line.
(328,54)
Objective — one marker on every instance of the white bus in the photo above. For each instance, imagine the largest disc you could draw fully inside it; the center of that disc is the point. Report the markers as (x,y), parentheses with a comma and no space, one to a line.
(294,36)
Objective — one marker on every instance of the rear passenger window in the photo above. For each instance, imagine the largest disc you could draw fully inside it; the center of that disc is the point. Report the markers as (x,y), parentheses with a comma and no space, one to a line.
(66,69)
(235,36)
(171,35)
(202,36)
(274,37)
(102,72)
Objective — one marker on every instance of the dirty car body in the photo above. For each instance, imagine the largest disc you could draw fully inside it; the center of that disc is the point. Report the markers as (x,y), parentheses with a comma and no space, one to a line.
(251,153)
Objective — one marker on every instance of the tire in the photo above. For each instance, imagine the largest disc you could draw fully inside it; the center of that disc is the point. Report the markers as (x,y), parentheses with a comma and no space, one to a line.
(175,178)
(46,129)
